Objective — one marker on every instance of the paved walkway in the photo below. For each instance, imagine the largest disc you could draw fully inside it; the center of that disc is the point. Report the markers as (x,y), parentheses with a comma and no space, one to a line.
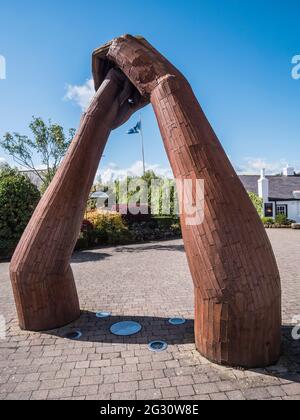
(148,283)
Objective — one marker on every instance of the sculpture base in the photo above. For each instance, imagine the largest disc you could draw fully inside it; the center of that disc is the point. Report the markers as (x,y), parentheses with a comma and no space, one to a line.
(246,340)
(49,304)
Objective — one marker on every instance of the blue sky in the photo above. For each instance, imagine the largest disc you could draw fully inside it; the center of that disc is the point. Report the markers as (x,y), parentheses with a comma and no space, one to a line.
(236,54)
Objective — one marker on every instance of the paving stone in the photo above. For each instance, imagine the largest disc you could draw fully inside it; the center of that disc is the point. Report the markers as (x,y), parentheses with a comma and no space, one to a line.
(225,386)
(219,396)
(146,384)
(171,392)
(149,394)
(85,390)
(129,368)
(91,380)
(209,388)
(82,365)
(71,382)
(291,389)
(111,370)
(52,384)
(153,374)
(256,394)
(185,390)
(129,377)
(162,383)
(27,386)
(31,377)
(58,394)
(77,373)
(235,395)
(292,398)
(19,396)
(111,379)
(182,380)
(126,386)
(276,391)
(130,396)
(39,395)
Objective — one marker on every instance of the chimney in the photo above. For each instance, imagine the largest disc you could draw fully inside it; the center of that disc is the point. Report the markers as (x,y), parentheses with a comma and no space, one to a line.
(288,171)
(263,186)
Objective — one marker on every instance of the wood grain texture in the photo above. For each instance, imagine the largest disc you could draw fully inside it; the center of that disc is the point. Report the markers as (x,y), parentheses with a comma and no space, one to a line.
(236,279)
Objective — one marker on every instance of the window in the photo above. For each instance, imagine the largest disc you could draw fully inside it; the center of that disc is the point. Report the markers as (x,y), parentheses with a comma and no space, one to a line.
(282,209)
(269,210)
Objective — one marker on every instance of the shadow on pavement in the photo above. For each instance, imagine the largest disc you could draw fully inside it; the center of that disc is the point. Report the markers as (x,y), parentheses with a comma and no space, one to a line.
(150,246)
(156,328)
(87,256)
(153,328)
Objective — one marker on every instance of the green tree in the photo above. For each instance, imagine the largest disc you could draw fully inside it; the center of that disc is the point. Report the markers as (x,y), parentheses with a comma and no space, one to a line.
(257,202)
(18,199)
(49,142)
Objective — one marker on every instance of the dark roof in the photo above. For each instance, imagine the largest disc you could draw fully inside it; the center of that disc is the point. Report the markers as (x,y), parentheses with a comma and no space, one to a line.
(280,187)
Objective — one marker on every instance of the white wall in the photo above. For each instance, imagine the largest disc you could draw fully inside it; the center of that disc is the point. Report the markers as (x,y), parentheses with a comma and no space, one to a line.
(293,209)
(263,186)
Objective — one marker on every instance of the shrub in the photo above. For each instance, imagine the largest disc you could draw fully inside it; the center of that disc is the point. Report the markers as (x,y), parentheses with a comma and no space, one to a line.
(109,228)
(18,199)
(133,213)
(176,229)
(156,229)
(82,242)
(281,219)
(267,221)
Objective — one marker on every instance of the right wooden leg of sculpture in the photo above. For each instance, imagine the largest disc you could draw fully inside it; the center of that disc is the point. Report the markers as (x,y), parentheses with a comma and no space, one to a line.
(237,283)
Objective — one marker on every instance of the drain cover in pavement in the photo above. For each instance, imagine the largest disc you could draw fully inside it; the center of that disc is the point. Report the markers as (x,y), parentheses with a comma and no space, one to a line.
(126,328)
(103,314)
(73,335)
(157,346)
(177,321)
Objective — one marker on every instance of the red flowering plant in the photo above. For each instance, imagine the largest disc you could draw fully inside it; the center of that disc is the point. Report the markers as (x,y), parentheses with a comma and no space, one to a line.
(86,226)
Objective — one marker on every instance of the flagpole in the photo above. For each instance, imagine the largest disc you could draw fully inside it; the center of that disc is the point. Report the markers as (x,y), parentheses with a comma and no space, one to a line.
(142,141)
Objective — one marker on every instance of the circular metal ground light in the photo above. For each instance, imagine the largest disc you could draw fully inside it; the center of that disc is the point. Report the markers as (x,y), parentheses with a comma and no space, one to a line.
(157,346)
(126,328)
(73,335)
(103,314)
(177,321)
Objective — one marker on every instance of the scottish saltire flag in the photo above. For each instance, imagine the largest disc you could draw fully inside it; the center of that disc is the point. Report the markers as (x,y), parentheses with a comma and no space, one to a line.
(136,129)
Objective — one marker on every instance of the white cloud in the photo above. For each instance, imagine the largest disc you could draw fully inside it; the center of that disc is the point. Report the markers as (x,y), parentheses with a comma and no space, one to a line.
(81,95)
(113,171)
(250,166)
(253,165)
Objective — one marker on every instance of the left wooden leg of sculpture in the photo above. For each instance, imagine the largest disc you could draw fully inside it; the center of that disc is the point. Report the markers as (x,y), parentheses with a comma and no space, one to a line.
(42,279)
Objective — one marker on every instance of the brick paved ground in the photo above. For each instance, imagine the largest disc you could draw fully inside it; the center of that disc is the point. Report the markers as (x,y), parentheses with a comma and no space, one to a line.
(148,283)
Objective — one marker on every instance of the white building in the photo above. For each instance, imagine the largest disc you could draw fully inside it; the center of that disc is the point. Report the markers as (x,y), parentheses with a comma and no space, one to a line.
(281,194)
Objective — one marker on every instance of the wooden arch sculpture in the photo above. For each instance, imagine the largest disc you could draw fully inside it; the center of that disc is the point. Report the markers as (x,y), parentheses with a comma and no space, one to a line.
(236,279)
